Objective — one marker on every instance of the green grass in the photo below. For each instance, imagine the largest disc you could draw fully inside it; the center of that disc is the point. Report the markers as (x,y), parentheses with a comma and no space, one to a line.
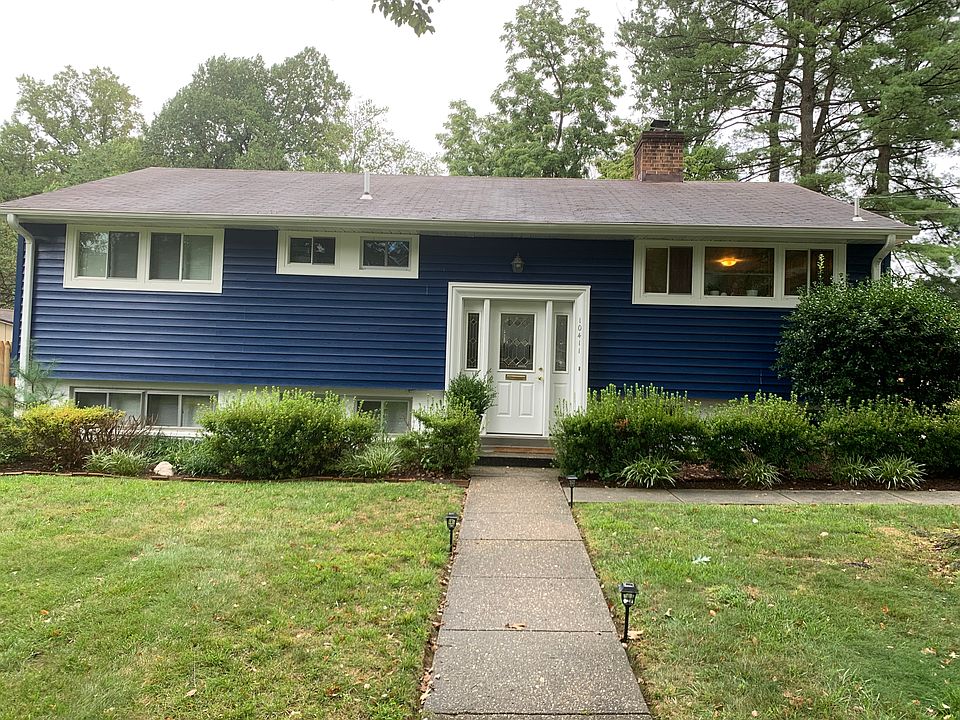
(800,612)
(140,599)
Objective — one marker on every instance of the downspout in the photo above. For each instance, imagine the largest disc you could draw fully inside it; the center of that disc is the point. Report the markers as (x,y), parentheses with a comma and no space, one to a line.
(26,299)
(887,248)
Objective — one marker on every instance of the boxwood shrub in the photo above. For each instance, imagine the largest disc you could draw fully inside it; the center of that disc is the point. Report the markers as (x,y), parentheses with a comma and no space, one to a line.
(272,433)
(620,426)
(765,428)
(447,441)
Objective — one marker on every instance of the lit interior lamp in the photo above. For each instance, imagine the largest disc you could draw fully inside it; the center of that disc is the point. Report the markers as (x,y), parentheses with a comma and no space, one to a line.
(728,261)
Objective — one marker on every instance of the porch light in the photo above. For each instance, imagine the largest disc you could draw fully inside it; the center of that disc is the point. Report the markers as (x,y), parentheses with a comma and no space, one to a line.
(452,520)
(571,483)
(728,261)
(628,595)
(517,263)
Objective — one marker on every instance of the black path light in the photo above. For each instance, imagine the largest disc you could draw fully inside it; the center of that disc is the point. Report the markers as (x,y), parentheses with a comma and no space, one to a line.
(452,520)
(571,483)
(628,596)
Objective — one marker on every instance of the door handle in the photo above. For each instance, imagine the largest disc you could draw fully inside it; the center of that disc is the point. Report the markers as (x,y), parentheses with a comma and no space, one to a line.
(540,378)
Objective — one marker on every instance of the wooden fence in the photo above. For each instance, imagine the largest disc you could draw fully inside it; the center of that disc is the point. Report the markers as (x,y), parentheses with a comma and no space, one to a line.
(5,377)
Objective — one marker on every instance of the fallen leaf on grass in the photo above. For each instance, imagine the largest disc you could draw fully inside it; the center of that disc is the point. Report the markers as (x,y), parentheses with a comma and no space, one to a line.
(191,692)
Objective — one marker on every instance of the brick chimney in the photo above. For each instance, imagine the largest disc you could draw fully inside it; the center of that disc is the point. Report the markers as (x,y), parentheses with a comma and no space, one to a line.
(658,154)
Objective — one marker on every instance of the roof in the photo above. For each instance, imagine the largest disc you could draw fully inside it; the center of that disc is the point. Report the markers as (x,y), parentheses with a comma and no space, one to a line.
(284,195)
(6,316)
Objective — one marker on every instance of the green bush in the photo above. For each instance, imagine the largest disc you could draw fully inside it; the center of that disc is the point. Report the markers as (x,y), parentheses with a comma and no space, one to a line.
(447,442)
(12,441)
(376,460)
(854,471)
(876,428)
(882,338)
(62,437)
(270,434)
(619,426)
(898,472)
(652,471)
(475,391)
(755,472)
(195,458)
(767,428)
(115,461)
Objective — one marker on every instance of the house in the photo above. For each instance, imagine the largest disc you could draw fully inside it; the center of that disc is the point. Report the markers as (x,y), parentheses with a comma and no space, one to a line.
(154,290)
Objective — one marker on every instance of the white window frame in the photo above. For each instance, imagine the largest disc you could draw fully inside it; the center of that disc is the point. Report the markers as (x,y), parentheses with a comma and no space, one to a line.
(143,393)
(381,399)
(142,282)
(698,297)
(348,258)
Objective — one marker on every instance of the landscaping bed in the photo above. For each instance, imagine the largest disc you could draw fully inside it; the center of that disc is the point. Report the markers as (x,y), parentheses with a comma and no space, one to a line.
(787,612)
(139,599)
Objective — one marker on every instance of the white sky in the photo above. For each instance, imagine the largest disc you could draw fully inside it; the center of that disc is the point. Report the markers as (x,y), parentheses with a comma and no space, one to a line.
(155,47)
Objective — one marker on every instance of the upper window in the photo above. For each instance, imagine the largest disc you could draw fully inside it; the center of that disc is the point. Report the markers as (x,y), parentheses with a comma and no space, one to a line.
(731,273)
(144,259)
(348,254)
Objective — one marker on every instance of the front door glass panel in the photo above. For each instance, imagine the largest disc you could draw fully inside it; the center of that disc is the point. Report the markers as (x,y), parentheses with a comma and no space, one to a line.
(516,341)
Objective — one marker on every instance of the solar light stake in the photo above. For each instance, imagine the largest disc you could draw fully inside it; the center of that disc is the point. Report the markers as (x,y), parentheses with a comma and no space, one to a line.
(452,520)
(572,483)
(628,595)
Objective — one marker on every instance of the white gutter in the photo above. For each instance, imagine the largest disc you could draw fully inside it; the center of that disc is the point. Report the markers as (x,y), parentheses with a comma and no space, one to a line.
(26,296)
(887,248)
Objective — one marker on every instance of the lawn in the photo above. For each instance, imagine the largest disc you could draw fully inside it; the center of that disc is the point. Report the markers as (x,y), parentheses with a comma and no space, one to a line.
(796,612)
(142,599)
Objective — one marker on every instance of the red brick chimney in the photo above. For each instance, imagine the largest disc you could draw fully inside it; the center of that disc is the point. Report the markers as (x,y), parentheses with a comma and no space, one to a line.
(658,154)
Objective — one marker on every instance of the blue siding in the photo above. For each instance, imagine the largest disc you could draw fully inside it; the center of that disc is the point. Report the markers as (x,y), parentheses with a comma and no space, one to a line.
(17,299)
(380,332)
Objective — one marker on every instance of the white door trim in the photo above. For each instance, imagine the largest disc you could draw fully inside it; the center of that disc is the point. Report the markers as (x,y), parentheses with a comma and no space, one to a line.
(579,295)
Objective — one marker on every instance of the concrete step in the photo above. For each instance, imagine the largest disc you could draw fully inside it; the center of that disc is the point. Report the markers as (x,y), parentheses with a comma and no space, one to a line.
(515,456)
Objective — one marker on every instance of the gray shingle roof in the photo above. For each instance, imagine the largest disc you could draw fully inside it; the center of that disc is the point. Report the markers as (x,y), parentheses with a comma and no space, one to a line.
(287,195)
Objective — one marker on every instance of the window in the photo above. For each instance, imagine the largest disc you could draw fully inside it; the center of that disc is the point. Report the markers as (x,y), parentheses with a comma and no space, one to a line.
(166,409)
(313,250)
(144,259)
(473,341)
(347,254)
(738,272)
(107,254)
(560,344)
(745,274)
(806,268)
(668,270)
(394,414)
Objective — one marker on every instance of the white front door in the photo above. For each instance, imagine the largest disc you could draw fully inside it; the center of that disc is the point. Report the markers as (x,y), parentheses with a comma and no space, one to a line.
(517,357)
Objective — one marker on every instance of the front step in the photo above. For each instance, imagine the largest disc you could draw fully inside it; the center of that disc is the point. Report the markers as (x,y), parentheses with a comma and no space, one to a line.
(516,452)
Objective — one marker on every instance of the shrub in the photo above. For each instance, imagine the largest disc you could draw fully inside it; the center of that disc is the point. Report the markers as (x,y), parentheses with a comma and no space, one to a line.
(755,472)
(377,460)
(12,441)
(882,338)
(875,428)
(898,472)
(650,472)
(63,437)
(195,458)
(854,471)
(448,440)
(115,461)
(270,434)
(475,391)
(619,426)
(767,428)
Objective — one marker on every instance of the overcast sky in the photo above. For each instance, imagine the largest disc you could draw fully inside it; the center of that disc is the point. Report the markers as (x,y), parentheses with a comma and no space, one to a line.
(155,47)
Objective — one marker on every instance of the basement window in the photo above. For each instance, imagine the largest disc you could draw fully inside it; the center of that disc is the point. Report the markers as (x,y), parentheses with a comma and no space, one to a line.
(394,414)
(162,408)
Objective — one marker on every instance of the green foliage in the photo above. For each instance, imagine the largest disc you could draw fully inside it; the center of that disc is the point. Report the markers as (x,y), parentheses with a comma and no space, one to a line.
(854,471)
(883,338)
(376,460)
(620,425)
(12,441)
(271,434)
(116,461)
(474,391)
(63,437)
(413,13)
(196,458)
(763,429)
(36,385)
(554,110)
(651,471)
(874,428)
(755,472)
(447,442)
(898,472)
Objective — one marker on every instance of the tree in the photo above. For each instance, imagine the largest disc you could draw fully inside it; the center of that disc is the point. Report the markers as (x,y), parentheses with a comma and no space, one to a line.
(554,110)
(236,112)
(413,13)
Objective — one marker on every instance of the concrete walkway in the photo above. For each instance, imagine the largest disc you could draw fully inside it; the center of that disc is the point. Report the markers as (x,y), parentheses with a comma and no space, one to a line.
(769,497)
(526,631)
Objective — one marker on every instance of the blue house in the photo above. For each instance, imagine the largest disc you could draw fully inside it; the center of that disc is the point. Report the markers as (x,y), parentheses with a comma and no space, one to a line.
(155,290)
